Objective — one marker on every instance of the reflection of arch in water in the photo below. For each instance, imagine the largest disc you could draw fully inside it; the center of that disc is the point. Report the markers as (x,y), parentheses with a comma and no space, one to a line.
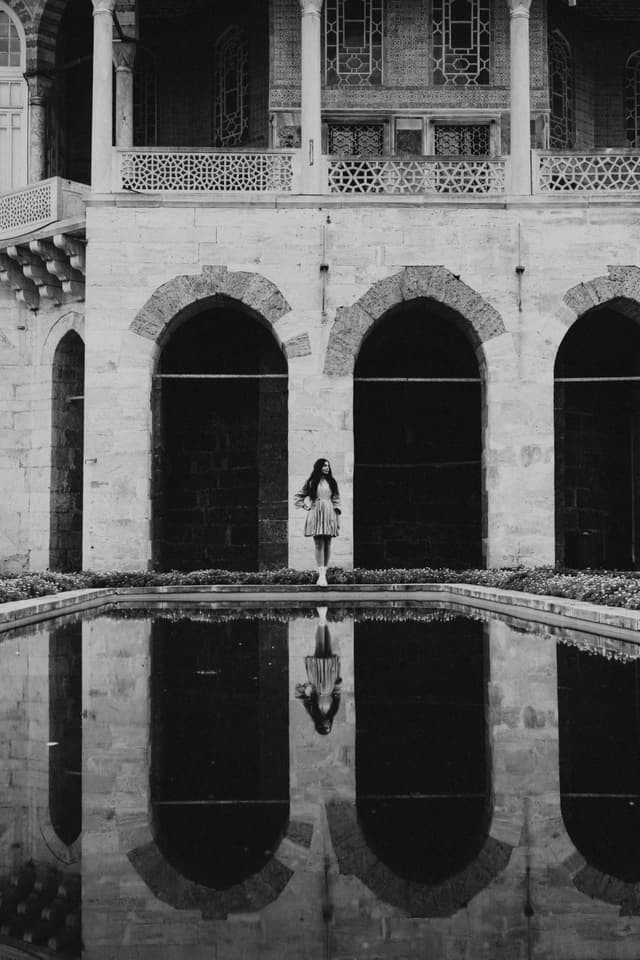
(419,837)
(599,726)
(62,830)
(219,765)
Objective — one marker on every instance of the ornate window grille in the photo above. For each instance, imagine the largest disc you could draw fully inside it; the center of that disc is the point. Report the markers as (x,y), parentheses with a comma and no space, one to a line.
(145,99)
(462,140)
(231,120)
(632,99)
(353,41)
(356,139)
(561,93)
(10,51)
(461,42)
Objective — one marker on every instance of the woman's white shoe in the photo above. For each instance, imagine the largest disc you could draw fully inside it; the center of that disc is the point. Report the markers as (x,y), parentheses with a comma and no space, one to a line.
(322,577)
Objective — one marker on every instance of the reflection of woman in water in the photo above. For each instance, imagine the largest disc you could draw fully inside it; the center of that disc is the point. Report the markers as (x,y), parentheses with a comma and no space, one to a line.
(320,695)
(321,499)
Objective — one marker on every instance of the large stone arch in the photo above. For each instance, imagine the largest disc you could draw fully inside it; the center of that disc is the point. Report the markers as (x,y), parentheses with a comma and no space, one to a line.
(186,295)
(417,899)
(434,283)
(620,289)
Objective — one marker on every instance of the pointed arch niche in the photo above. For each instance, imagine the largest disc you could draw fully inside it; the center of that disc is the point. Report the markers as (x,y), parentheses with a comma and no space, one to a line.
(67,454)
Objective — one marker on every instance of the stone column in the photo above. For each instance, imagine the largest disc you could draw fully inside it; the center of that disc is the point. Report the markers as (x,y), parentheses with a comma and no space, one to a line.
(311,94)
(39,87)
(124,52)
(102,109)
(520,98)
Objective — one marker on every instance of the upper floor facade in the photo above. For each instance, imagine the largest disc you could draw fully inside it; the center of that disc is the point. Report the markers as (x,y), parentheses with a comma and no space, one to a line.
(439,98)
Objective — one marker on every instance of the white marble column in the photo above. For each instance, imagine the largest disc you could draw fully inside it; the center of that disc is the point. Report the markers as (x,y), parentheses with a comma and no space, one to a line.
(124,52)
(520,98)
(311,96)
(39,88)
(102,109)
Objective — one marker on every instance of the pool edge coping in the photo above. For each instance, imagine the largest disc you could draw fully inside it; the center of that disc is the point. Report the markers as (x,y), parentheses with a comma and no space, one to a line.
(526,606)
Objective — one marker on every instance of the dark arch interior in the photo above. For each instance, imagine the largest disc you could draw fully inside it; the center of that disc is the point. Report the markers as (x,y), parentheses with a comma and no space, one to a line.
(69,126)
(175,76)
(67,454)
(65,731)
(417,484)
(597,442)
(423,763)
(219,746)
(599,716)
(220,464)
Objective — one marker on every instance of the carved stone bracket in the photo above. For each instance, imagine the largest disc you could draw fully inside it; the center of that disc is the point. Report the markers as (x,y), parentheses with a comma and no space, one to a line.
(42,268)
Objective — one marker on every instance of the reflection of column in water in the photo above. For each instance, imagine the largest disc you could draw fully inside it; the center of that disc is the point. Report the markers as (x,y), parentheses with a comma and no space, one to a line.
(115,803)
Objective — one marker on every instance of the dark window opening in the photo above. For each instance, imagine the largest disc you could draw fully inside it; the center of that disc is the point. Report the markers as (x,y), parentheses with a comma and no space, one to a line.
(69,124)
(417,483)
(220,462)
(599,718)
(423,758)
(219,747)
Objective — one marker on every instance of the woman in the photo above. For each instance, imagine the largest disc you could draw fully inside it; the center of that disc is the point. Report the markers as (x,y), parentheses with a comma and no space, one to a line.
(320,498)
(320,695)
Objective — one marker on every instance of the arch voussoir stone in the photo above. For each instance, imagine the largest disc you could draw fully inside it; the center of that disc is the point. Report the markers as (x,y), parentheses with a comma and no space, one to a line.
(250,289)
(411,283)
(621,283)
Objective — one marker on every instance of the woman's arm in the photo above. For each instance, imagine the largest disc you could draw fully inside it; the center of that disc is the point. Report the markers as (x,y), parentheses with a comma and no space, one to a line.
(302,499)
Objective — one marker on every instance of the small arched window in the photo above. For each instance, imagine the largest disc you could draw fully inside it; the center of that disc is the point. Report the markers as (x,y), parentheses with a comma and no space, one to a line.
(561,93)
(231,121)
(632,99)
(13,102)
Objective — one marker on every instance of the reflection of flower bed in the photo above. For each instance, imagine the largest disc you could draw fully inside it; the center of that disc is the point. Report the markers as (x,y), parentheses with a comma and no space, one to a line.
(615,589)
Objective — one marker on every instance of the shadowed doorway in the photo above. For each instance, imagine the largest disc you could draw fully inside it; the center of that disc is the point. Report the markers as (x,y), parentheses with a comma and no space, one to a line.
(417,422)
(220,445)
(597,410)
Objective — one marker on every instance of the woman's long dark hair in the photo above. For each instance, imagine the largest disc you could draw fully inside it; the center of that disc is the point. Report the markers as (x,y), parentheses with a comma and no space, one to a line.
(311,485)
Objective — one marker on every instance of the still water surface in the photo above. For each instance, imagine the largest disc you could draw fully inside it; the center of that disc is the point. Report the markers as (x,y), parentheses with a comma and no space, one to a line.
(375,782)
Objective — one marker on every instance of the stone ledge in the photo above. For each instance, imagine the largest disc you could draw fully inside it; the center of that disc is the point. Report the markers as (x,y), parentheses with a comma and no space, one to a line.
(616,622)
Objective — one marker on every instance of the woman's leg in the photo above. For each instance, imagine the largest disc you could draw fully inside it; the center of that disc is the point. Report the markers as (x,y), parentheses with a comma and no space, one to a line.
(319,543)
(327,551)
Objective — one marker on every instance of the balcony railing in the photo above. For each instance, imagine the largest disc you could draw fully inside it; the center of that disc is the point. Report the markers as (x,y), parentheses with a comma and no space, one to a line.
(606,171)
(33,207)
(422,175)
(161,170)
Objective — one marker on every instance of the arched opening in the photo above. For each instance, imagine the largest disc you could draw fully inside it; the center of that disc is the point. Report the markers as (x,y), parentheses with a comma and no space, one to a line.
(597,411)
(69,122)
(211,76)
(67,454)
(561,93)
(599,728)
(423,758)
(220,437)
(65,731)
(417,424)
(13,102)
(219,747)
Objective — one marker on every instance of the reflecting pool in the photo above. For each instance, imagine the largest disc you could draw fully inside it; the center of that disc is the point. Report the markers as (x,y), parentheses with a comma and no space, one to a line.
(332,783)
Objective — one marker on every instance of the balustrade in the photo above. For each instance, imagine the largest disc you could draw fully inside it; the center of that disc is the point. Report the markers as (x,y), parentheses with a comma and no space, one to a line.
(159,170)
(425,175)
(613,171)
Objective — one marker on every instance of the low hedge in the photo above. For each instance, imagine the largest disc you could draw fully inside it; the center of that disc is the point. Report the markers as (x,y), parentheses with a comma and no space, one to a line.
(611,588)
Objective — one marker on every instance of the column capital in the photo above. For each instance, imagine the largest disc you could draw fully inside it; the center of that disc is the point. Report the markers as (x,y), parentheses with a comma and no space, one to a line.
(519,8)
(311,6)
(103,6)
(124,53)
(39,85)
